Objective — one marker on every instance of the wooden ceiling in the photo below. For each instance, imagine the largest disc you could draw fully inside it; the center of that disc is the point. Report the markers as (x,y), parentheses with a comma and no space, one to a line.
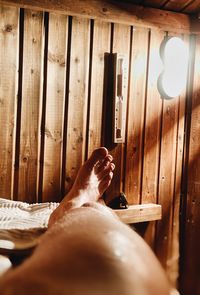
(184,6)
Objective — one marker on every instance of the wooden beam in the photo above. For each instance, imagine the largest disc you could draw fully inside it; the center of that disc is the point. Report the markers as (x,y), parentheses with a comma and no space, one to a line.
(125,13)
(140,213)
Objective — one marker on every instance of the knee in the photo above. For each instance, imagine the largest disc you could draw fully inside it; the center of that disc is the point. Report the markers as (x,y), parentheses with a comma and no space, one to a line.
(102,209)
(94,205)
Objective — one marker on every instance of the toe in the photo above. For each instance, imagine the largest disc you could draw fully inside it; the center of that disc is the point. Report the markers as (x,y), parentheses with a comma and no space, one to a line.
(106,170)
(104,184)
(103,164)
(97,155)
(112,166)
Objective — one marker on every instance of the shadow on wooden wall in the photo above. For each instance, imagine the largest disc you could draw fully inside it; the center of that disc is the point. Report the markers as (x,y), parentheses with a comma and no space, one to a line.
(51,117)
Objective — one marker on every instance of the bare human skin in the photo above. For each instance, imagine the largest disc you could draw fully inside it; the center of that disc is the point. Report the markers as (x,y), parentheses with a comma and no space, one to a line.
(87,249)
(92,180)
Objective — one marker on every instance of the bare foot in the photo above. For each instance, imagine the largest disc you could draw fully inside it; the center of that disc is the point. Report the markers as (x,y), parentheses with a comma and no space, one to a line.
(92,180)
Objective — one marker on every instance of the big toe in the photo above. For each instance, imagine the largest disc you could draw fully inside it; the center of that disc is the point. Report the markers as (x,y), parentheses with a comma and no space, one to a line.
(97,155)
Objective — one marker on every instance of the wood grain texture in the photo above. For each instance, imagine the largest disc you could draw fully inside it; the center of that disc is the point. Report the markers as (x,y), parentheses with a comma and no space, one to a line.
(56,82)
(78,98)
(101,45)
(121,45)
(194,7)
(140,213)
(9,39)
(149,129)
(30,110)
(125,13)
(152,130)
(153,122)
(174,251)
(190,280)
(136,111)
(166,178)
(176,5)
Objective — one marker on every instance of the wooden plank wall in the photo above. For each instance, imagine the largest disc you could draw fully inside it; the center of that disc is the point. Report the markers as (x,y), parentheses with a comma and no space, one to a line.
(190,243)
(56,122)
(9,24)
(54,111)
(27,156)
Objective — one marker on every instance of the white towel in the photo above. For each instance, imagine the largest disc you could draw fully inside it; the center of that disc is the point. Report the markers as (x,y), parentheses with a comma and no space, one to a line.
(21,223)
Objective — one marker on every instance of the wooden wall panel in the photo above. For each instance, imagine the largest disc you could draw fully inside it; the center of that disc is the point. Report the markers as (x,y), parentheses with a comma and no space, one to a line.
(166,177)
(173,242)
(124,13)
(78,98)
(9,44)
(72,112)
(174,249)
(121,44)
(156,3)
(55,100)
(193,7)
(135,115)
(101,45)
(190,275)
(152,122)
(30,109)
(152,130)
(176,5)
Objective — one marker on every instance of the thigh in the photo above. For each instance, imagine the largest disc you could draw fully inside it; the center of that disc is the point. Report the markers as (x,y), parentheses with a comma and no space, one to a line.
(89,251)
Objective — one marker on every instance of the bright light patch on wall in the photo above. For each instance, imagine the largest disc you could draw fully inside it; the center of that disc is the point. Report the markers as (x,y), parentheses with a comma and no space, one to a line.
(139,66)
(172,80)
(155,67)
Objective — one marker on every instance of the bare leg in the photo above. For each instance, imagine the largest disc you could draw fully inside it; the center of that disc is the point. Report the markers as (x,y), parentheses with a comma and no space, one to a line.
(87,250)
(93,179)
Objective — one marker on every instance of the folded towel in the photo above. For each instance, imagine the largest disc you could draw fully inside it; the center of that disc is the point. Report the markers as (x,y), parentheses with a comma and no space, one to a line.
(21,223)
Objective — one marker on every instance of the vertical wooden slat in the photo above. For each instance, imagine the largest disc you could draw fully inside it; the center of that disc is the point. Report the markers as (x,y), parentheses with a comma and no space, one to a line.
(174,255)
(167,175)
(121,45)
(9,36)
(101,45)
(55,99)
(136,115)
(190,271)
(173,260)
(31,94)
(152,130)
(78,98)
(169,185)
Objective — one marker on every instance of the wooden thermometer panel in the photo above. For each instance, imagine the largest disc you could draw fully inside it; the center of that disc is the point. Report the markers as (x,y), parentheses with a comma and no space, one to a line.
(119,97)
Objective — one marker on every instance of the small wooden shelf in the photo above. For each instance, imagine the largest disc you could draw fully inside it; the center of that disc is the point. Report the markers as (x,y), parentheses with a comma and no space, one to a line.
(140,213)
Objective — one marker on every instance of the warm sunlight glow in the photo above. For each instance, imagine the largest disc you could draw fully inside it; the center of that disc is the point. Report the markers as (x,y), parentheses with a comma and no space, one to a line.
(155,67)
(175,58)
(139,66)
